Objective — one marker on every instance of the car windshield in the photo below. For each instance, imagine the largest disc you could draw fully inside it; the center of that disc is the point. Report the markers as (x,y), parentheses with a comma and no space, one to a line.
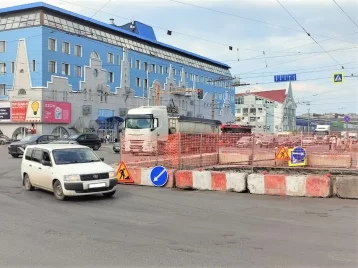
(74,156)
(29,138)
(74,137)
(138,123)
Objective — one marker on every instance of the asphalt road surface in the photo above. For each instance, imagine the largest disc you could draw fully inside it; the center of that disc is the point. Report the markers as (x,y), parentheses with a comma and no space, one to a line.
(152,227)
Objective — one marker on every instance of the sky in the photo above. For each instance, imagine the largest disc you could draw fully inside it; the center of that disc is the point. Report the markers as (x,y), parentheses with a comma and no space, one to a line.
(310,38)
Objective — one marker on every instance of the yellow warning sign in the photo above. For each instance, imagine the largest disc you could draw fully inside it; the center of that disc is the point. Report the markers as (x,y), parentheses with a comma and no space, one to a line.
(282,154)
(122,174)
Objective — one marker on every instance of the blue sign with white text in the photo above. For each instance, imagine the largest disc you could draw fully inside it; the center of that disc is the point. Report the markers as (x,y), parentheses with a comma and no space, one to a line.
(159,176)
(298,155)
(285,77)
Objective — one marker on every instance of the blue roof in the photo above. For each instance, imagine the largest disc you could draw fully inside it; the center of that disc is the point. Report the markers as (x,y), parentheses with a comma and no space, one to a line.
(146,36)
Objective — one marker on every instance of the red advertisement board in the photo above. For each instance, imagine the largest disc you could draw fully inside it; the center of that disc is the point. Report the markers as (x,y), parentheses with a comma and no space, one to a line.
(57,112)
(18,111)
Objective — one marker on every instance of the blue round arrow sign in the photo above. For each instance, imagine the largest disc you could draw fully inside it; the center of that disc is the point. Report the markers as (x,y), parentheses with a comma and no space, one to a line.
(159,176)
(298,154)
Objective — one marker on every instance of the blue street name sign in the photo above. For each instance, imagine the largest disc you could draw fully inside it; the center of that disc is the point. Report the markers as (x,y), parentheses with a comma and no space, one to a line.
(159,176)
(298,155)
(285,77)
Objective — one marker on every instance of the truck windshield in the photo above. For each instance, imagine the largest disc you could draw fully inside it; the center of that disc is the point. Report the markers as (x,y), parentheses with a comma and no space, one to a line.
(138,123)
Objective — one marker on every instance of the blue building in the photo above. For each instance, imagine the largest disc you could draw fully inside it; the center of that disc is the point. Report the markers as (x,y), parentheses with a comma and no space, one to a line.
(48,54)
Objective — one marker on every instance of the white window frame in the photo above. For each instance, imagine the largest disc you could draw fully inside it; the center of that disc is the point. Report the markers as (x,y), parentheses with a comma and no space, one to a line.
(119,59)
(137,64)
(78,74)
(64,45)
(62,70)
(161,69)
(48,66)
(111,77)
(4,64)
(3,87)
(137,81)
(48,44)
(110,57)
(3,42)
(75,50)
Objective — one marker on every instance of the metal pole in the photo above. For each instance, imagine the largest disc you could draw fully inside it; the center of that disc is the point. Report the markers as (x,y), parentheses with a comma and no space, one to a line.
(148,89)
(201,149)
(308,123)
(212,107)
(120,147)
(252,153)
(179,151)
(266,118)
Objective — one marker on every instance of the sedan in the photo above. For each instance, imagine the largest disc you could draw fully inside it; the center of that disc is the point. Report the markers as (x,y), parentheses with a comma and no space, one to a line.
(17,148)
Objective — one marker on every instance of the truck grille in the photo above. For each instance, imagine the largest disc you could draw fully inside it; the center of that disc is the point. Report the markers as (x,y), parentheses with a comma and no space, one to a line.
(92,177)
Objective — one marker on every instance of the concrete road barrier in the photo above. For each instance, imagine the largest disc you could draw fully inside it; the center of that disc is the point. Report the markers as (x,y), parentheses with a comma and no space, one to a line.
(347,187)
(310,186)
(210,180)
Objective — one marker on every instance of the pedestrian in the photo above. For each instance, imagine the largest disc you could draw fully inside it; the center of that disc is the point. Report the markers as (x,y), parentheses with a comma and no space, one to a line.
(350,143)
(339,143)
(332,142)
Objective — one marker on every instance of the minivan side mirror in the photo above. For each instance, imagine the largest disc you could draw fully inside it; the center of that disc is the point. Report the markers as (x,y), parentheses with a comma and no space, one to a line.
(102,159)
(46,163)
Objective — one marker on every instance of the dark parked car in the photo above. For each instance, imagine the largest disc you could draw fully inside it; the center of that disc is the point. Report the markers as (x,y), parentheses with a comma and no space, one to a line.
(63,142)
(116,147)
(88,139)
(17,148)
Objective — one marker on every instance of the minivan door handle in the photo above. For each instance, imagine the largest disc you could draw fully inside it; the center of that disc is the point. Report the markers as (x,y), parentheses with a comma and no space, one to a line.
(40,167)
(30,165)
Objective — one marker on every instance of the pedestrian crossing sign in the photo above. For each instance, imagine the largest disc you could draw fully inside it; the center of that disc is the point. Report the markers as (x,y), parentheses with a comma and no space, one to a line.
(282,154)
(338,78)
(122,174)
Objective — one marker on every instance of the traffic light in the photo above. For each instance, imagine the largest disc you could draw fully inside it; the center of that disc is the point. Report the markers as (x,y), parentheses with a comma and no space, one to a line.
(200,94)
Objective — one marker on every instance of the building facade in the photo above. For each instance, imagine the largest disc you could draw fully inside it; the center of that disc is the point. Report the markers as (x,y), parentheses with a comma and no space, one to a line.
(59,62)
(267,111)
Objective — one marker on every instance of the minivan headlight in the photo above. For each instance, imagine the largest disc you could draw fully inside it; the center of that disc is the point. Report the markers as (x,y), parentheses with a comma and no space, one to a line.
(71,178)
(111,174)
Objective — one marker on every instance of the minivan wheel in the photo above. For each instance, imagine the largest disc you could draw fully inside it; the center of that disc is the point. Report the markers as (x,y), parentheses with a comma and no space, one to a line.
(15,155)
(96,147)
(110,194)
(58,192)
(27,183)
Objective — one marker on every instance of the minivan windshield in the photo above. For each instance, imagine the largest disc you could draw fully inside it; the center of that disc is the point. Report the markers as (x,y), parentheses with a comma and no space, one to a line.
(74,156)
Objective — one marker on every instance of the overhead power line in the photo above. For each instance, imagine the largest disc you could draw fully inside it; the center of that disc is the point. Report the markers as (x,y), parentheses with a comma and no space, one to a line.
(345,12)
(310,35)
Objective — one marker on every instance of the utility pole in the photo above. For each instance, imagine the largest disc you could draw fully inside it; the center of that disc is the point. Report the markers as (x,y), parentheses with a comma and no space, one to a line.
(213,106)
(266,114)
(148,89)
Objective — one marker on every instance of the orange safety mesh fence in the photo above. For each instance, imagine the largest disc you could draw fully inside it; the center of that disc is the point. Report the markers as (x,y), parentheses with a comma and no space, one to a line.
(186,151)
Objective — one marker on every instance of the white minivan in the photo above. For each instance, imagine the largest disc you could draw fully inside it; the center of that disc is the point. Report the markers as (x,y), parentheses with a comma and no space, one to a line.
(66,170)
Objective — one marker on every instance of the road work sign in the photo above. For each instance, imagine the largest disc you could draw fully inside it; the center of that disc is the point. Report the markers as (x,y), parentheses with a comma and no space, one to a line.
(282,154)
(122,174)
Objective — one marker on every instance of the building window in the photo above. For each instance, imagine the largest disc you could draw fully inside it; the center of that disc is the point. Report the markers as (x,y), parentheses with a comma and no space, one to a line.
(166,70)
(153,69)
(12,67)
(52,44)
(239,100)
(78,50)
(2,46)
(34,65)
(52,67)
(2,90)
(137,64)
(252,110)
(65,47)
(238,111)
(161,71)
(137,82)
(119,59)
(65,69)
(78,71)
(259,110)
(111,77)
(145,66)
(110,58)
(2,67)
(145,82)
(252,119)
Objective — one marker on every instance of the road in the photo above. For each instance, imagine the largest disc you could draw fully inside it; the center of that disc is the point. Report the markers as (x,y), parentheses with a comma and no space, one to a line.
(155,227)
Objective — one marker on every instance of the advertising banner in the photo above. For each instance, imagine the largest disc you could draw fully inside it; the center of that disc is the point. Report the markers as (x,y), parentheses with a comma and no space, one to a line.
(5,112)
(26,111)
(57,112)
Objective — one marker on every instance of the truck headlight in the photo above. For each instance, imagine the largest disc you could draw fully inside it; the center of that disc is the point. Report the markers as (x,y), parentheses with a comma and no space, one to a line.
(71,178)
(111,174)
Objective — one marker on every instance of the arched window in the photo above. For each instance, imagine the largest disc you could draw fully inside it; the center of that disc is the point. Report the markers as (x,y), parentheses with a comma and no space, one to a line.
(94,55)
(20,133)
(60,132)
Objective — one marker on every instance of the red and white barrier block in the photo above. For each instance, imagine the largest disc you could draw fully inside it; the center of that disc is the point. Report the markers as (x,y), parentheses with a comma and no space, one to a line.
(210,180)
(305,185)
